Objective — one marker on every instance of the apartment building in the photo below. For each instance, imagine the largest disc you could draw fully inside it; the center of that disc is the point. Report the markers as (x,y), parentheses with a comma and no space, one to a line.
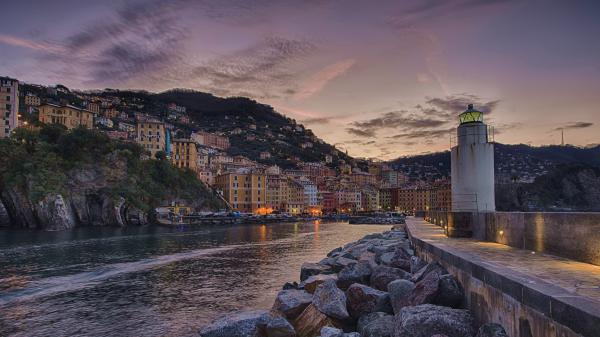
(184,154)
(9,105)
(151,136)
(245,191)
(31,100)
(294,197)
(67,115)
(210,140)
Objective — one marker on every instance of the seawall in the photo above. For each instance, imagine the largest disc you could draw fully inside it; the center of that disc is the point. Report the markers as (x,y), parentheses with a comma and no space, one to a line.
(530,295)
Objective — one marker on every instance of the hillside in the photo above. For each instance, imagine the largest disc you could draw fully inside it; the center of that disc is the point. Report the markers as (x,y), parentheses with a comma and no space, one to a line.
(573,187)
(281,136)
(521,163)
(56,179)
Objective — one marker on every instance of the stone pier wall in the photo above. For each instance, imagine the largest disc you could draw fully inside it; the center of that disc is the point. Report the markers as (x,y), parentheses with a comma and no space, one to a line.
(572,235)
(495,295)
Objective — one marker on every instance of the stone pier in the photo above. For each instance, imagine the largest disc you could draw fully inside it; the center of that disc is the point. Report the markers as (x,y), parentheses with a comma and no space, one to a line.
(531,294)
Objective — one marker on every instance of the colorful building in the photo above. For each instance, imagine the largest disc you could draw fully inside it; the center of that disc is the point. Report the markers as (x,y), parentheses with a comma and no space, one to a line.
(245,192)
(32,100)
(210,140)
(184,154)
(151,136)
(67,115)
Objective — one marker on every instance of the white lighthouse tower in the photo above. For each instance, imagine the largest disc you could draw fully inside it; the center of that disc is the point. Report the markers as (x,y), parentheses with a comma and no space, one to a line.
(472,165)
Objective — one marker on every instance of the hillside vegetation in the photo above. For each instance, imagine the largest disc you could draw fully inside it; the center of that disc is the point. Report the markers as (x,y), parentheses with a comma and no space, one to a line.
(53,178)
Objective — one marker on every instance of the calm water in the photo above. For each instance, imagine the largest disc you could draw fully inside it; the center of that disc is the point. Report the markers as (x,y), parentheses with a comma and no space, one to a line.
(151,281)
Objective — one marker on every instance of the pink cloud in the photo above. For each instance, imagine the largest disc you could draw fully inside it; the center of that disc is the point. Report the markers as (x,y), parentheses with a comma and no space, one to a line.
(317,82)
(29,44)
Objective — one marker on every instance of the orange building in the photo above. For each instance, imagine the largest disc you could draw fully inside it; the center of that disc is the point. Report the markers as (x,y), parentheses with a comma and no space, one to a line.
(184,154)
(245,192)
(151,136)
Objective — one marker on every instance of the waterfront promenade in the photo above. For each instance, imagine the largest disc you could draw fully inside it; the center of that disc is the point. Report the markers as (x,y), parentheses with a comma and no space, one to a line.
(558,290)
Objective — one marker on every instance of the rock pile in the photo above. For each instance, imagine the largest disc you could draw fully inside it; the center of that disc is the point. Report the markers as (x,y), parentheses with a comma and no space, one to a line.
(374,287)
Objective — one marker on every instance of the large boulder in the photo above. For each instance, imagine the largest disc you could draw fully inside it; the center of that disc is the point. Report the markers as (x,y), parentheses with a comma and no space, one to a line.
(330,300)
(432,267)
(400,291)
(309,269)
(341,262)
(357,250)
(334,252)
(383,275)
(311,283)
(450,292)
(491,330)
(312,320)
(280,327)
(400,259)
(428,319)
(426,290)
(292,302)
(376,324)
(363,299)
(238,324)
(354,273)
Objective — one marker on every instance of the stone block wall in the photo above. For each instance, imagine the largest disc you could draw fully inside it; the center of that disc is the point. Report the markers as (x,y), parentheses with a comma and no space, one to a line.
(571,235)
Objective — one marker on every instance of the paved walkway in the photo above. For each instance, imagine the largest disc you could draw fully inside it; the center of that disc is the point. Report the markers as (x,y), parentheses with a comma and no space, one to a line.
(553,274)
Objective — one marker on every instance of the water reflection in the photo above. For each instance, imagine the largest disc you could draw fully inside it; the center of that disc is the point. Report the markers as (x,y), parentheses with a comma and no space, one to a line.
(151,281)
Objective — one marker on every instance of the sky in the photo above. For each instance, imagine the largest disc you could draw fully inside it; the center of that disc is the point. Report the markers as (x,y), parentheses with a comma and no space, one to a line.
(381,79)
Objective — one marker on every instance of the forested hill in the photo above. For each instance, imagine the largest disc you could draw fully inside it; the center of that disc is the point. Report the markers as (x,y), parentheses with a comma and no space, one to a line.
(261,128)
(515,162)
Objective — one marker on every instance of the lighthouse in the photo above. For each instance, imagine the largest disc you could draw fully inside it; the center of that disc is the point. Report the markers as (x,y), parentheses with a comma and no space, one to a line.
(472,165)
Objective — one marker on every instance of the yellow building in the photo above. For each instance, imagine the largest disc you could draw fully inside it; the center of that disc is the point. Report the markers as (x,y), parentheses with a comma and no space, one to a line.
(245,192)
(32,100)
(275,192)
(151,136)
(294,197)
(67,115)
(184,154)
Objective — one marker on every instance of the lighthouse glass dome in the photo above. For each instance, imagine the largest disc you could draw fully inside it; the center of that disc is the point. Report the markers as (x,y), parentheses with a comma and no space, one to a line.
(471,116)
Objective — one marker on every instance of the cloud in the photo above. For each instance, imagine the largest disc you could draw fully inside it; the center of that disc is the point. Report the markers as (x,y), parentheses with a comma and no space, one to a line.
(317,120)
(259,67)
(318,81)
(395,119)
(452,105)
(434,113)
(429,134)
(574,125)
(29,44)
(137,42)
(361,133)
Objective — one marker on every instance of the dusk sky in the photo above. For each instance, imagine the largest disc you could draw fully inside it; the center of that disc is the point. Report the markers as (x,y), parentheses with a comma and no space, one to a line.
(378,78)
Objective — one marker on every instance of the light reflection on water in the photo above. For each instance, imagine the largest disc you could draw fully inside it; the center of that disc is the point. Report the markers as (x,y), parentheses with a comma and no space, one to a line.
(151,281)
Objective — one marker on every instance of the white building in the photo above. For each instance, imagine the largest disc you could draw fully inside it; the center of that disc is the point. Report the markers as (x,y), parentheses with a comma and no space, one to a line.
(472,165)
(310,193)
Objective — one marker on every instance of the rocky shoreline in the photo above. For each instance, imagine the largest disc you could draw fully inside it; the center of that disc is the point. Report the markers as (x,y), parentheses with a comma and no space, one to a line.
(373,287)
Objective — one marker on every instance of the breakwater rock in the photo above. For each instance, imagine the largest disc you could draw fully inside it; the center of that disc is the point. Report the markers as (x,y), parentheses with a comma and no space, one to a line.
(374,287)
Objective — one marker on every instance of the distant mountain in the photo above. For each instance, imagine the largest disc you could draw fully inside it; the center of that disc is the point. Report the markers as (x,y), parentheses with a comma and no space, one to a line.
(512,162)
(568,187)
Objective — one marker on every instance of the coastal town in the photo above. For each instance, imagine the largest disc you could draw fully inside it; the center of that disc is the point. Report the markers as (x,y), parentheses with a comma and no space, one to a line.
(248,184)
